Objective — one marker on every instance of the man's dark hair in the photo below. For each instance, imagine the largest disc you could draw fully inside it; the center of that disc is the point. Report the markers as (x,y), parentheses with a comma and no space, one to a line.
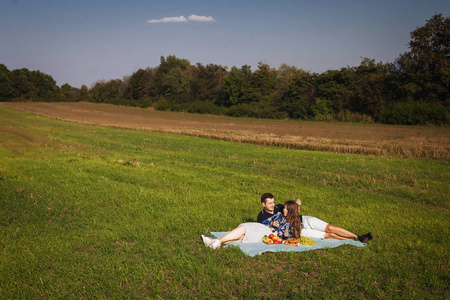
(266,196)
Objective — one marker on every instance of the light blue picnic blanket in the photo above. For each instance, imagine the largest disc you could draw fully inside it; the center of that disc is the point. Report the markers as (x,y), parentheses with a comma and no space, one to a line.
(253,249)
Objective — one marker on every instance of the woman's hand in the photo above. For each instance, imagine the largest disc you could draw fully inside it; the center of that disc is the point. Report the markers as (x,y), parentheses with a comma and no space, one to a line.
(275,224)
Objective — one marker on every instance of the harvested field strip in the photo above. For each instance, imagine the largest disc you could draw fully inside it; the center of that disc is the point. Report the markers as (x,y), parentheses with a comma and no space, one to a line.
(399,141)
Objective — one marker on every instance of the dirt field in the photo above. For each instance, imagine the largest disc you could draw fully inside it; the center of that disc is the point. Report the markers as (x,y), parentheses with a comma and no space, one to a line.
(400,141)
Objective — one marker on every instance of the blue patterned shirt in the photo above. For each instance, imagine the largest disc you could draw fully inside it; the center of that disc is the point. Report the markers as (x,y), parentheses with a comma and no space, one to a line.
(283,230)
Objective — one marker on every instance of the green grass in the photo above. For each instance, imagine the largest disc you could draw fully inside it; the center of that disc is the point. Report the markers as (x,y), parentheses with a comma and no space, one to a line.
(77,224)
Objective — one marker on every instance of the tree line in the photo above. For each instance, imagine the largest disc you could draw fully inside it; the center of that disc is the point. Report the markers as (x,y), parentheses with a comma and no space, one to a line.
(414,89)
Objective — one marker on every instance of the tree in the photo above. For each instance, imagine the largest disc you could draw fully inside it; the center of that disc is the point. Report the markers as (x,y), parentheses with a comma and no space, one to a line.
(233,85)
(21,83)
(371,89)
(285,75)
(424,71)
(44,86)
(83,94)
(140,85)
(33,85)
(6,88)
(66,92)
(337,86)
(207,82)
(264,81)
(107,92)
(299,97)
(173,78)
(98,92)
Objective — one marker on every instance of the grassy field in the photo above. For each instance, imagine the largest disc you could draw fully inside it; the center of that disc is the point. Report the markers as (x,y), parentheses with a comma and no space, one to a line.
(89,212)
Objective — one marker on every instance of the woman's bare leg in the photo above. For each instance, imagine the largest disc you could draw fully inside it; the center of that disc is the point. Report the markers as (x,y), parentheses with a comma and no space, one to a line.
(339,233)
(236,234)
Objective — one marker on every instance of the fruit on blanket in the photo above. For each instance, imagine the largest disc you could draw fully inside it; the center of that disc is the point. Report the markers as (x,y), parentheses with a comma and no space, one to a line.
(272,240)
(277,240)
(306,241)
(266,239)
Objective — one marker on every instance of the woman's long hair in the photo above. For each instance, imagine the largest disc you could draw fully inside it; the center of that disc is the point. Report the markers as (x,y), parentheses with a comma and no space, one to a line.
(293,217)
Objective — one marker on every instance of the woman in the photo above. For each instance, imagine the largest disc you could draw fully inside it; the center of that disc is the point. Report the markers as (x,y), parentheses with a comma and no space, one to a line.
(253,232)
(313,227)
(291,212)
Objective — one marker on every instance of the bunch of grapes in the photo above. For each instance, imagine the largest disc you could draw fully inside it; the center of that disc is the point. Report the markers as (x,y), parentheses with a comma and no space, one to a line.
(306,241)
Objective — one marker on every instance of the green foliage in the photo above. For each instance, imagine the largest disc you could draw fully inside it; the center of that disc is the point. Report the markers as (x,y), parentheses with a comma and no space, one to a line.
(90,212)
(83,94)
(352,117)
(334,86)
(6,87)
(415,113)
(162,105)
(103,91)
(255,110)
(264,80)
(207,82)
(233,86)
(28,85)
(172,79)
(363,89)
(140,85)
(427,64)
(322,107)
(298,98)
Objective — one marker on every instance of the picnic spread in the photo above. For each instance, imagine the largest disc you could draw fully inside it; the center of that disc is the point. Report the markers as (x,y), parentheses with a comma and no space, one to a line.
(253,249)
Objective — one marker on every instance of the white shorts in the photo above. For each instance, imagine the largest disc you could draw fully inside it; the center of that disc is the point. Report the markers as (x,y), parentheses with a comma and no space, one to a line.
(254,232)
(313,227)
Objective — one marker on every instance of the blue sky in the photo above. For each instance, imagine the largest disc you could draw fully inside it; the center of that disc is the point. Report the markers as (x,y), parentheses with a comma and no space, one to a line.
(82,42)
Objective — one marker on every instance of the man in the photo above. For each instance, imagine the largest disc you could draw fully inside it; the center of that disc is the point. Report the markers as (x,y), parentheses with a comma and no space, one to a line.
(311,226)
(270,209)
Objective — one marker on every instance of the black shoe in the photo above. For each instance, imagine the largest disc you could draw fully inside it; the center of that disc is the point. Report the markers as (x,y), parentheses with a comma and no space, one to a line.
(365,237)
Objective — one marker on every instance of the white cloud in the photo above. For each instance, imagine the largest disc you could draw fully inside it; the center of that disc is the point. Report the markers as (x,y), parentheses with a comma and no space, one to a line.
(180,19)
(201,18)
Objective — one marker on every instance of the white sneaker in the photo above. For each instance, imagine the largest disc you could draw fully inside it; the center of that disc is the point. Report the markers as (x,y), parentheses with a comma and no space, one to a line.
(216,244)
(206,240)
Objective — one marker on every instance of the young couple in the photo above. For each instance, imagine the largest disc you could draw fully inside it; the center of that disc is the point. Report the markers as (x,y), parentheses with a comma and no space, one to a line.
(285,221)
